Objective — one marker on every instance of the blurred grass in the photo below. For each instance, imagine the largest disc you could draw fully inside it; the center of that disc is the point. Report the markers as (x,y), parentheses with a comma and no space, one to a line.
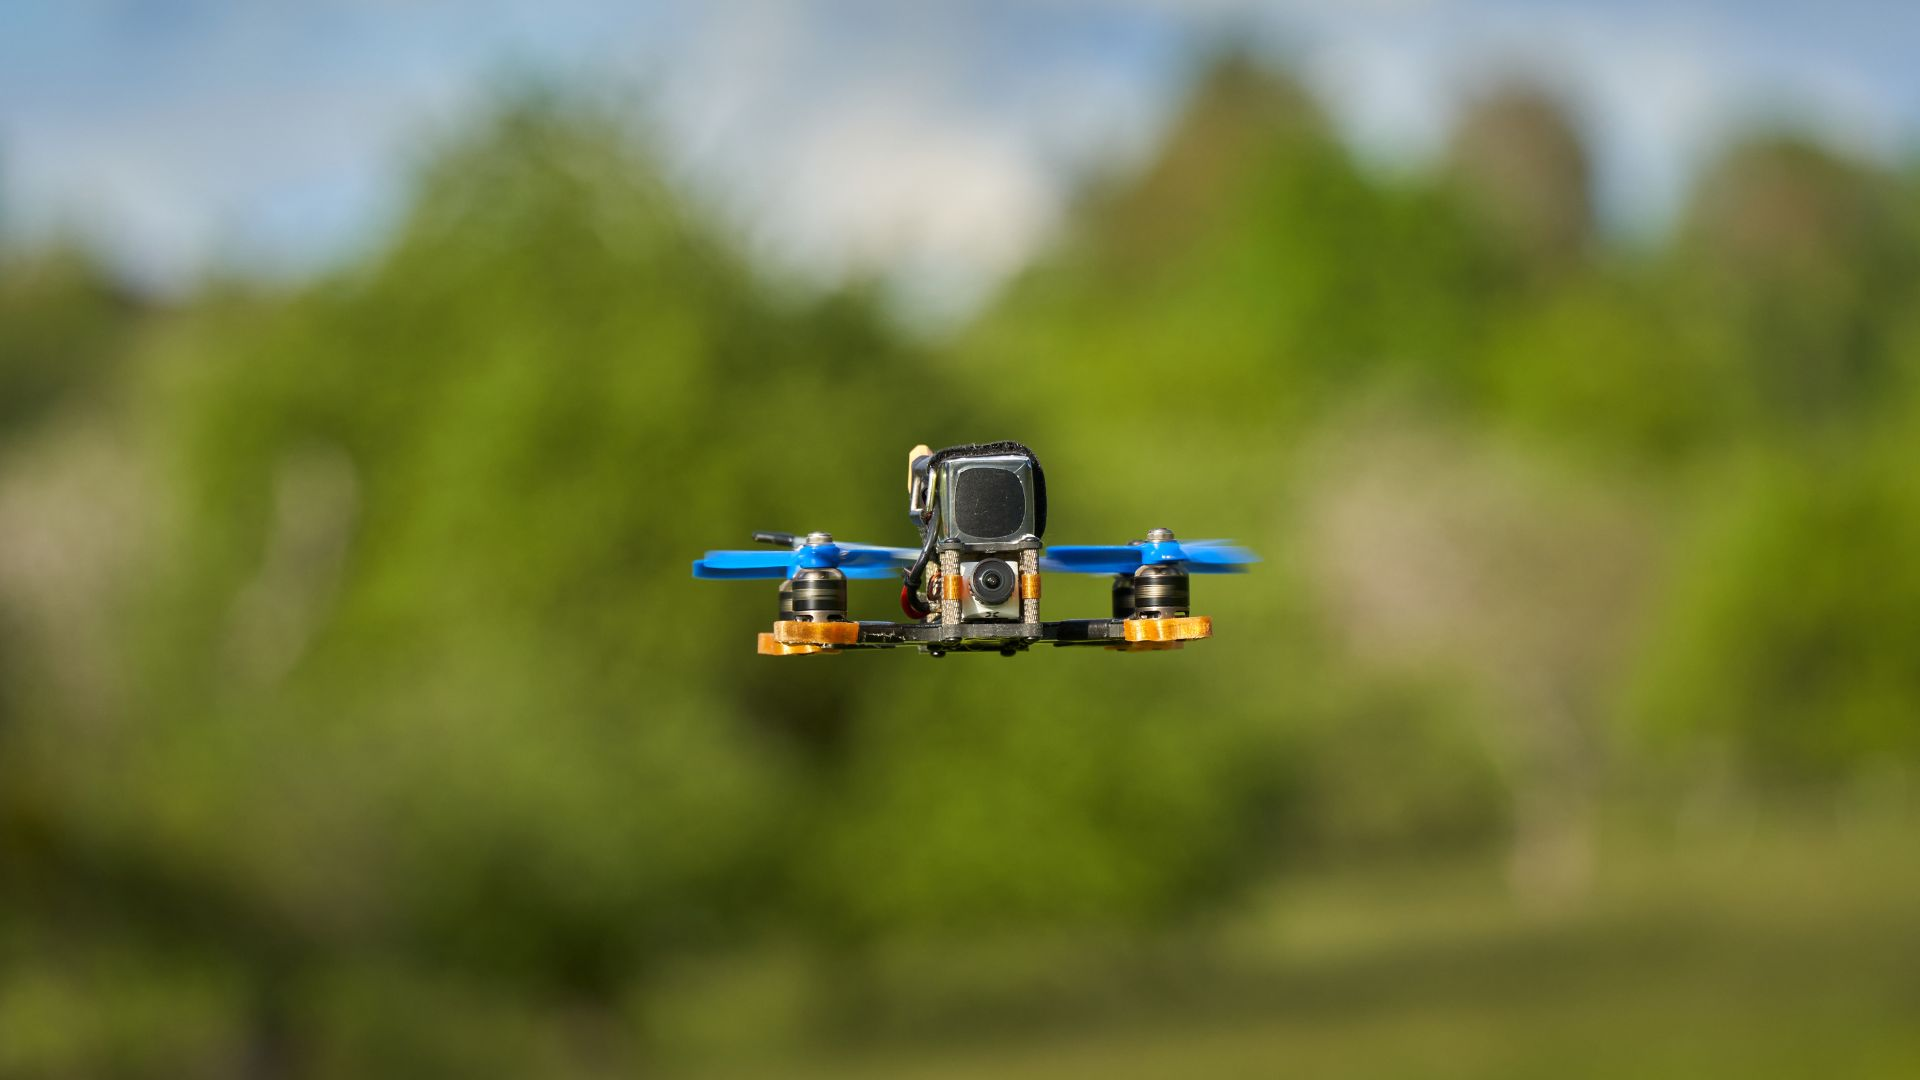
(1793,951)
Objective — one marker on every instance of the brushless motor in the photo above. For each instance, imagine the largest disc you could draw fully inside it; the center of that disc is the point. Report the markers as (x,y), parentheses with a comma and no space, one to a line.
(1159,591)
(818,595)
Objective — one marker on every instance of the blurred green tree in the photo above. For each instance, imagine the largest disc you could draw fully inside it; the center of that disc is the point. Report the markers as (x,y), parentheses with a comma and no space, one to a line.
(1799,255)
(414,742)
(64,323)
(1522,169)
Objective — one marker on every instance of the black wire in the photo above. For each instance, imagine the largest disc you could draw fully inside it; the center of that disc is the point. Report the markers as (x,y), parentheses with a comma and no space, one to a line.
(919,567)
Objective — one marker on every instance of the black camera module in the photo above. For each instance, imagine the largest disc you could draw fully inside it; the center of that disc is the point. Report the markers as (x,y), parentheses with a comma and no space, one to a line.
(992,581)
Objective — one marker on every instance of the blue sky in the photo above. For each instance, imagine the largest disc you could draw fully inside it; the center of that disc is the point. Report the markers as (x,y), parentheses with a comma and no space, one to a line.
(934,141)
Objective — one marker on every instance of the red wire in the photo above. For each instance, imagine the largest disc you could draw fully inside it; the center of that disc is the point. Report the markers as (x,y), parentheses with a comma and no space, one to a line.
(911,605)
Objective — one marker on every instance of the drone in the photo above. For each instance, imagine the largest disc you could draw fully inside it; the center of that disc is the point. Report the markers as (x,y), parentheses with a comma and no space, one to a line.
(973,584)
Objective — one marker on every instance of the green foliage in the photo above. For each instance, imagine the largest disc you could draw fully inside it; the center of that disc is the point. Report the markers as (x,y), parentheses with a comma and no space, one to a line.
(411,722)
(63,325)
(1793,626)
(422,675)
(439,507)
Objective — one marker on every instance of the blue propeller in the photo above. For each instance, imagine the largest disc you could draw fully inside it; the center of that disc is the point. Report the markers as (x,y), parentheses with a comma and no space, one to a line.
(1199,556)
(813,551)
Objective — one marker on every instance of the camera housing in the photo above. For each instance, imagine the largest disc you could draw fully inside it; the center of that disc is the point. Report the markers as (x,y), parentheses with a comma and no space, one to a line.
(986,503)
(982,509)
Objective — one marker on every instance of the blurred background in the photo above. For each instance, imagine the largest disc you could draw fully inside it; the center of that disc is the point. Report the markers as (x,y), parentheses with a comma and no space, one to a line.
(371,371)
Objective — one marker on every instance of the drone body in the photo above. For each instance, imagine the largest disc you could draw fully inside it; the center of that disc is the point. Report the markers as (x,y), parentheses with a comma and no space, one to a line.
(973,585)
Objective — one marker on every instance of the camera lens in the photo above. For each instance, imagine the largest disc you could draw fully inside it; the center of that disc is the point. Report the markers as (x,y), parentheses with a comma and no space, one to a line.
(992,581)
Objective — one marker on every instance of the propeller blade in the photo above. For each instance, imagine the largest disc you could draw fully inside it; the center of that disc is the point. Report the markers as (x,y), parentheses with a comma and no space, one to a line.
(908,552)
(703,569)
(749,560)
(861,562)
(1199,557)
(857,555)
(1091,559)
(1217,557)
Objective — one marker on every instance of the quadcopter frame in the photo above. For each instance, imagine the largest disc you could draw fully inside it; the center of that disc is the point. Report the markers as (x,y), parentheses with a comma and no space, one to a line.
(974,584)
(1130,634)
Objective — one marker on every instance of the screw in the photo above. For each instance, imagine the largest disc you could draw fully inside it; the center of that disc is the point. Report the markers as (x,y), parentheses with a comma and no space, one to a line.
(816,538)
(1159,536)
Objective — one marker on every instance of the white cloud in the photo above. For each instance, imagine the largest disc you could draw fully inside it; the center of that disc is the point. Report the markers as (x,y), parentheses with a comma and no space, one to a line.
(900,144)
